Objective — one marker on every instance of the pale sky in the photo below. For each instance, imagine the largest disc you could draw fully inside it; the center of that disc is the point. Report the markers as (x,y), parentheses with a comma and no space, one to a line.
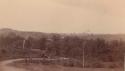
(64,16)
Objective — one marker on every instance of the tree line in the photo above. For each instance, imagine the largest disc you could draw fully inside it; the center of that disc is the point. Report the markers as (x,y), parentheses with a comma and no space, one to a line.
(94,51)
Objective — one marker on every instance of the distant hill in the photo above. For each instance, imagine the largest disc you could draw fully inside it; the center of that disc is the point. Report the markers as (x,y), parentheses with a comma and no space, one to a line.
(37,35)
(24,34)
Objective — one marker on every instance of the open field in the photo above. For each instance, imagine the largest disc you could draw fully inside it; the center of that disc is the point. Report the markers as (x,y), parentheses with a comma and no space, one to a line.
(46,67)
(34,67)
(13,65)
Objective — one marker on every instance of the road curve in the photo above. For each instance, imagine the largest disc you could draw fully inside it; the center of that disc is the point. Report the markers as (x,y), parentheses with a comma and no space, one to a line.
(5,67)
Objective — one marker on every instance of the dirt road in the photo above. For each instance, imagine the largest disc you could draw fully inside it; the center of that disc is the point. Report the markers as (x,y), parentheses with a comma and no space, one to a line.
(5,67)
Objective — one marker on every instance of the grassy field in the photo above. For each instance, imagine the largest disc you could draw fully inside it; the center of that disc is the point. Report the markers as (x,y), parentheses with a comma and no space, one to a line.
(40,67)
(44,67)
(34,67)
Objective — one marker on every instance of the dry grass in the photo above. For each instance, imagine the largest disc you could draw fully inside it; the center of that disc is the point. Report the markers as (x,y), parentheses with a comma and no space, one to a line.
(52,68)
(40,67)
(1,68)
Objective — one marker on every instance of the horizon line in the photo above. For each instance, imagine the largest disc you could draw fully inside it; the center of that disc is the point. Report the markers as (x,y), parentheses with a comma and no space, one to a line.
(89,33)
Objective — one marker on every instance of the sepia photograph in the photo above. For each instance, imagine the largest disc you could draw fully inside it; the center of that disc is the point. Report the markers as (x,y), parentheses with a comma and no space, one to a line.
(62,35)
